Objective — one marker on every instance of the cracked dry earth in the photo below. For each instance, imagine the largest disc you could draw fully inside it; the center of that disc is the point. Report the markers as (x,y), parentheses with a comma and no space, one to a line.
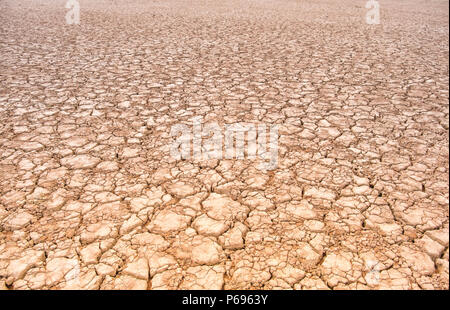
(91,199)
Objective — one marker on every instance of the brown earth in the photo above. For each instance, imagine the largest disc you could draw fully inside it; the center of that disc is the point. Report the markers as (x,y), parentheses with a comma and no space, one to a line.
(90,197)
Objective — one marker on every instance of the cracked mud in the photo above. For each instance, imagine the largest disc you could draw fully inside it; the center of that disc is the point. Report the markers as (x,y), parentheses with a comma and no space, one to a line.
(91,199)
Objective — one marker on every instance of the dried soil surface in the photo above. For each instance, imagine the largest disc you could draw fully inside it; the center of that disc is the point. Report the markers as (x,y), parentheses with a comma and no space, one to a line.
(90,198)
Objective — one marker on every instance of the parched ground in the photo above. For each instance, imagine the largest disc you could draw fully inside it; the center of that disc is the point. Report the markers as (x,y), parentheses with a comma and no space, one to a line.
(91,198)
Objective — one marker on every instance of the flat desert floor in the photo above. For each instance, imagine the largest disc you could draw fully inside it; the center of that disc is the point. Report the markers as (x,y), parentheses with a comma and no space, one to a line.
(91,197)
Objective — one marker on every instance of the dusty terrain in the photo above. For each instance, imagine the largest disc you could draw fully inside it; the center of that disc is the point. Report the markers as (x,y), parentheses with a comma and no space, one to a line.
(90,197)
